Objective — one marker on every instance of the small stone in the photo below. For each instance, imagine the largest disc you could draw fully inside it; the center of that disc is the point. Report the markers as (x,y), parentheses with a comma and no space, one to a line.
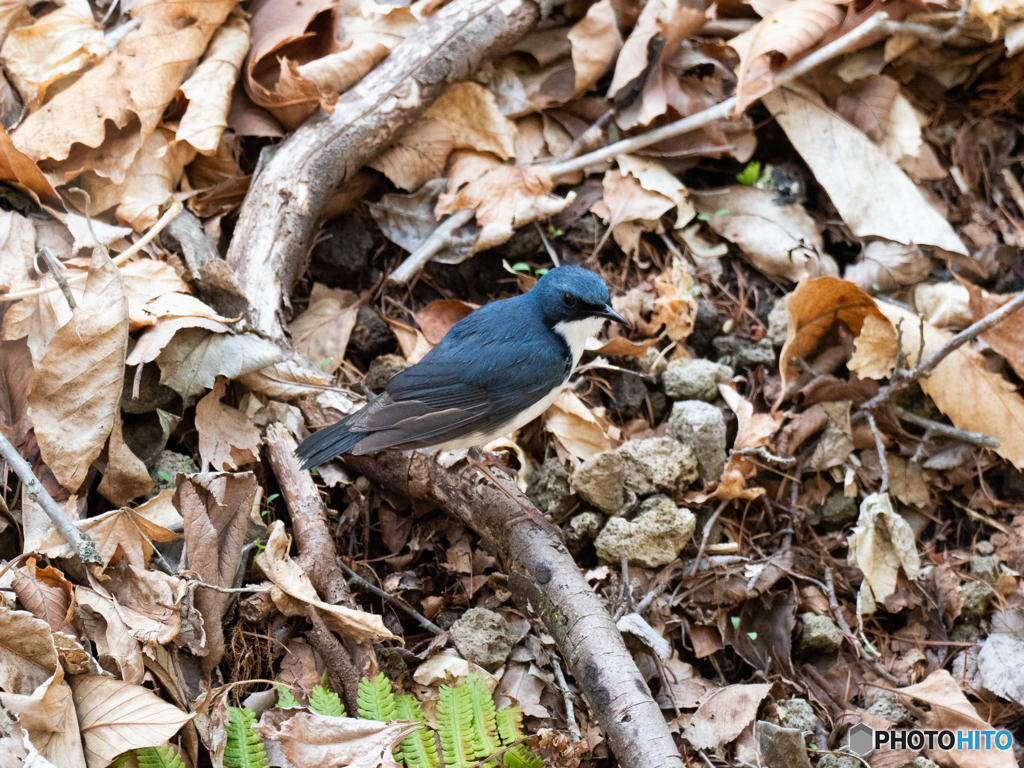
(984,548)
(694,379)
(964,633)
(581,530)
(549,488)
(797,713)
(838,510)
(781,747)
(821,635)
(985,567)
(483,637)
(778,323)
(628,394)
(921,762)
(888,706)
(706,326)
(382,369)
(653,362)
(977,596)
(701,427)
(166,469)
(342,252)
(743,353)
(370,335)
(654,538)
(839,761)
(600,481)
(658,464)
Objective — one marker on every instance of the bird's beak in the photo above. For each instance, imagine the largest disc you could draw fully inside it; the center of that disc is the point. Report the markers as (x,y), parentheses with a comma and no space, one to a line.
(612,315)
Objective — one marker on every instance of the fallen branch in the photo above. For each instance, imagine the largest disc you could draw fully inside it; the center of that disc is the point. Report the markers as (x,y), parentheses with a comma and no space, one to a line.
(439,239)
(393,600)
(34,490)
(281,212)
(544,578)
(932,428)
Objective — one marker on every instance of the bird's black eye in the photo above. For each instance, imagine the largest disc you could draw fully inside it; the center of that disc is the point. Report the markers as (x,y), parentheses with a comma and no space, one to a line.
(569,300)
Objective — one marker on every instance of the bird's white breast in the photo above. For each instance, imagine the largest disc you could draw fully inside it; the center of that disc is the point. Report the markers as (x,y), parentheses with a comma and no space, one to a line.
(576,333)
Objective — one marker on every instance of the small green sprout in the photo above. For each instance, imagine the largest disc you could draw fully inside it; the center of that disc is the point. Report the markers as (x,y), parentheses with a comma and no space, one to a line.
(750,174)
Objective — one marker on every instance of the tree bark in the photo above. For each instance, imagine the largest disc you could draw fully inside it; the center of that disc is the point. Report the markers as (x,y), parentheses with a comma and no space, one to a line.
(544,578)
(281,213)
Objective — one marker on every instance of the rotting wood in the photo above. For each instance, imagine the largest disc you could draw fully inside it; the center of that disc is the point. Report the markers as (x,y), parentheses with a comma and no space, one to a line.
(281,212)
(544,578)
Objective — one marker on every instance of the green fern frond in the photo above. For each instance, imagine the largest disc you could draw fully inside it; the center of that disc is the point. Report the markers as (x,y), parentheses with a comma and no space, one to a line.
(455,726)
(375,699)
(244,748)
(325,702)
(485,731)
(510,724)
(285,698)
(159,757)
(417,750)
(520,756)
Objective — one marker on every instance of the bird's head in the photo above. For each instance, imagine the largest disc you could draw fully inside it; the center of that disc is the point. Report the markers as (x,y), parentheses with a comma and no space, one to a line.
(574,301)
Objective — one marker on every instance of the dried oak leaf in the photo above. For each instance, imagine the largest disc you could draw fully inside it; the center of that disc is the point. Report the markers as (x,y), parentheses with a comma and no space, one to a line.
(880,544)
(100,122)
(505,198)
(227,438)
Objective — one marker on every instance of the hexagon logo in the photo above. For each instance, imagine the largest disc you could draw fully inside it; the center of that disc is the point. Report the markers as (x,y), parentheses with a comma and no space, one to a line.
(862,739)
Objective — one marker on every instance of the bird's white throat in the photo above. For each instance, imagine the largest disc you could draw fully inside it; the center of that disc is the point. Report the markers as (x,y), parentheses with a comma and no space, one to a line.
(576,333)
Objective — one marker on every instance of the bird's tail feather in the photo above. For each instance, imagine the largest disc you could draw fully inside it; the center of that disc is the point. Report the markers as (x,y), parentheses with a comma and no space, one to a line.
(327,443)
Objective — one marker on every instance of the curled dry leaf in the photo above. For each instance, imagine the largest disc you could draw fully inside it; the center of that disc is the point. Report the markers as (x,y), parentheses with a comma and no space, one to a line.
(308,740)
(675,305)
(27,654)
(321,333)
(126,534)
(49,718)
(16,166)
(227,439)
(1006,338)
(885,266)
(880,544)
(813,308)
(779,240)
(655,177)
(115,716)
(58,44)
(596,42)
(108,632)
(576,427)
(193,359)
(789,30)
(944,305)
(293,592)
(505,198)
(619,346)
(629,209)
(841,157)
(129,90)
(209,88)
(46,594)
(438,317)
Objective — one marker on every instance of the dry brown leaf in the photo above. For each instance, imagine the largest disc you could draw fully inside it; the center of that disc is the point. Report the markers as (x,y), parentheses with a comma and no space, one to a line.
(779,37)
(18,244)
(46,594)
(974,398)
(76,391)
(944,305)
(950,709)
(408,220)
(58,44)
(619,347)
(886,266)
(880,544)
(49,717)
(122,533)
(1006,338)
(148,184)
(505,198)
(192,360)
(841,157)
(227,439)
(654,177)
(148,601)
(293,592)
(438,317)
(596,42)
(575,426)
(874,355)
(626,201)
(321,333)
(723,714)
(209,88)
(115,716)
(779,240)
(116,649)
(27,655)
(285,381)
(19,168)
(413,343)
(309,740)
(216,508)
(107,114)
(813,308)
(417,156)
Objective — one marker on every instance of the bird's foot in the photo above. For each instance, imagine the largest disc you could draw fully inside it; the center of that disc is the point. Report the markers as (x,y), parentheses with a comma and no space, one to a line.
(480,461)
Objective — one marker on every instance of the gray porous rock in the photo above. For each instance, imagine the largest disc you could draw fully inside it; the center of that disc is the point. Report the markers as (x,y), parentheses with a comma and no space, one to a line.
(600,481)
(658,465)
(821,635)
(701,427)
(654,538)
(483,637)
(694,379)
(549,488)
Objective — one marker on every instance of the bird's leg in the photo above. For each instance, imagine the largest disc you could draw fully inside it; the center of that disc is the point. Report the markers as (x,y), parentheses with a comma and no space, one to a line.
(479,461)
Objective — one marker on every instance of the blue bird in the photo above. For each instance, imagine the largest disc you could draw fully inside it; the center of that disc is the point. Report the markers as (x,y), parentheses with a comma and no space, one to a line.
(496,370)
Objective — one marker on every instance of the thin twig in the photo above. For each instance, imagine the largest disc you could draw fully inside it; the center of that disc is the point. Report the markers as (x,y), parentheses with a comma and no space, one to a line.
(547,245)
(570,713)
(438,239)
(707,533)
(883,465)
(398,603)
(34,490)
(924,370)
(169,215)
(54,268)
(936,428)
(878,24)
